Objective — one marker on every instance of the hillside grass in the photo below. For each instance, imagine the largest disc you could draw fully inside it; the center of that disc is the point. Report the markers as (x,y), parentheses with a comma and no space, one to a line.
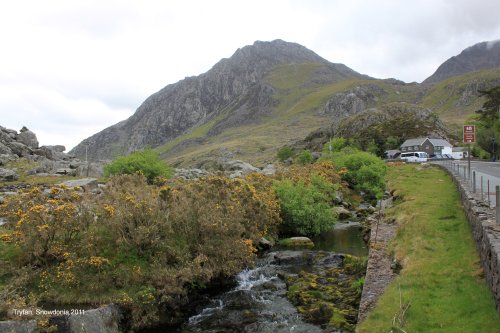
(441,276)
(300,99)
(443,98)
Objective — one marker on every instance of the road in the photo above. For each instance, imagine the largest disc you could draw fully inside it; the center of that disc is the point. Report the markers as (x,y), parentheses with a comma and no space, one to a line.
(487,177)
(488,168)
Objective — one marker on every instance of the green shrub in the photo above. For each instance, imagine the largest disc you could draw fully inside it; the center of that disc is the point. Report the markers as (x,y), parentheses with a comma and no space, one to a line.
(305,157)
(364,171)
(284,153)
(304,208)
(145,161)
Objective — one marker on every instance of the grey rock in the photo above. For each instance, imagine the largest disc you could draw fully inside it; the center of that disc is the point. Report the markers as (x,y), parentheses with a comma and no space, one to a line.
(4,149)
(66,171)
(237,165)
(265,244)
(93,169)
(18,326)
(342,213)
(56,148)
(269,170)
(102,320)
(87,184)
(191,173)
(18,148)
(28,138)
(8,175)
(299,258)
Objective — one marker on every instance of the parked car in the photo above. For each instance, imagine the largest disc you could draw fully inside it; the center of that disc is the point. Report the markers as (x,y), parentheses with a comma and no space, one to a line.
(417,156)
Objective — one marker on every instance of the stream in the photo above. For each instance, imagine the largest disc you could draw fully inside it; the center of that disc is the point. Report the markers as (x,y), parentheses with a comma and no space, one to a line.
(258,302)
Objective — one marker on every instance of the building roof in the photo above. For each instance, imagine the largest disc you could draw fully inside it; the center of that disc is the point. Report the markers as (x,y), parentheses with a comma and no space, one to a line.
(420,141)
(413,142)
(440,142)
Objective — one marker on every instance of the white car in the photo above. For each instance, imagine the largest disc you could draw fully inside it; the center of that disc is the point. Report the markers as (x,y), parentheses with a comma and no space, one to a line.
(417,156)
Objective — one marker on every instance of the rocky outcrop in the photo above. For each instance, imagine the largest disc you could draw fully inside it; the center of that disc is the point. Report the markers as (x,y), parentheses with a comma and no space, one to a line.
(353,101)
(50,160)
(485,55)
(400,120)
(232,93)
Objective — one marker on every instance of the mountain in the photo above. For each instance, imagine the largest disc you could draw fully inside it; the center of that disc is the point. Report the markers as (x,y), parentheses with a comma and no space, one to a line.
(232,93)
(272,94)
(485,55)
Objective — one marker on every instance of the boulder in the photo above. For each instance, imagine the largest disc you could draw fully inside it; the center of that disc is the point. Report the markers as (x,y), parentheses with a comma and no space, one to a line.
(298,258)
(45,152)
(302,242)
(27,138)
(18,326)
(87,184)
(56,148)
(269,170)
(4,149)
(190,173)
(265,244)
(237,165)
(19,148)
(103,320)
(94,169)
(66,171)
(342,213)
(8,175)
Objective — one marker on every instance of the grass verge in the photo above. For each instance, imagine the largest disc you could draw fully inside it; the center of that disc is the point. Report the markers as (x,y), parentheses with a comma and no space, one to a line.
(441,278)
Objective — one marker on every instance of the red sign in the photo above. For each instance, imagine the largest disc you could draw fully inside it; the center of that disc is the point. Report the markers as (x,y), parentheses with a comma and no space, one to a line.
(469,133)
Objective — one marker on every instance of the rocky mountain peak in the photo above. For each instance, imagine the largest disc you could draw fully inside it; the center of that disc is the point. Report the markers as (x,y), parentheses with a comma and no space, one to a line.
(485,55)
(232,92)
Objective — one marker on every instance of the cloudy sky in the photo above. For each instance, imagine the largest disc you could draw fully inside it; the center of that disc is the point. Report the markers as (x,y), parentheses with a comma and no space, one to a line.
(69,69)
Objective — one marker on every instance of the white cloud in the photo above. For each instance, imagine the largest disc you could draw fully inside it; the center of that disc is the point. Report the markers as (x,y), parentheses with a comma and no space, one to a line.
(70,68)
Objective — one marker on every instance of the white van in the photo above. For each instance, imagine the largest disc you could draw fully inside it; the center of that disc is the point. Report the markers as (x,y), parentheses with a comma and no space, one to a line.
(417,156)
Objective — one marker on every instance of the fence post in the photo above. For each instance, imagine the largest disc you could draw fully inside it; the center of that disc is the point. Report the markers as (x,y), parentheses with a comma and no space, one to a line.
(482,196)
(488,194)
(473,181)
(497,204)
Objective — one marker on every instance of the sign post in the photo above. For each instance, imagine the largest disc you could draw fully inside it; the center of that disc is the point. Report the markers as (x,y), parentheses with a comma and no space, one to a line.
(469,137)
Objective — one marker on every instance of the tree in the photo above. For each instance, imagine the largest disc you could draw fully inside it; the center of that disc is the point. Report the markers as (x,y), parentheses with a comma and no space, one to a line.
(488,114)
(488,123)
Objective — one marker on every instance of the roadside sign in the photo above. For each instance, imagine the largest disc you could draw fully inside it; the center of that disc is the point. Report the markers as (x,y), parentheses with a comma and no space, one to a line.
(469,134)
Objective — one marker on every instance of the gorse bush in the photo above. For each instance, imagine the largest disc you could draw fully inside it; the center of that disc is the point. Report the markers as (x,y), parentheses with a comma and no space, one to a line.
(142,246)
(145,161)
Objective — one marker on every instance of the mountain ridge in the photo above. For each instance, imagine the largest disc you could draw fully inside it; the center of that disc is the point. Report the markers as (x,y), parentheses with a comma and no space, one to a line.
(269,94)
(194,101)
(484,55)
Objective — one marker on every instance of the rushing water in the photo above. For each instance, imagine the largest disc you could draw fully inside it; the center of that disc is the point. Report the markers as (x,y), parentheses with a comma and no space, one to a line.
(258,303)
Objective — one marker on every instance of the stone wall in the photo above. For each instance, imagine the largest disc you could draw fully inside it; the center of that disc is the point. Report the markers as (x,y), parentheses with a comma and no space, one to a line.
(485,231)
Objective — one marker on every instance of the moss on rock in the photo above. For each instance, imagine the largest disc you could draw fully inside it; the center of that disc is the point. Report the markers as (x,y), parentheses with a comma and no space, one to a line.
(329,298)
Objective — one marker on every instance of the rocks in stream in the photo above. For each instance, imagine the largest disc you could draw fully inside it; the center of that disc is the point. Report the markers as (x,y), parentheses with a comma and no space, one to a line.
(297,242)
